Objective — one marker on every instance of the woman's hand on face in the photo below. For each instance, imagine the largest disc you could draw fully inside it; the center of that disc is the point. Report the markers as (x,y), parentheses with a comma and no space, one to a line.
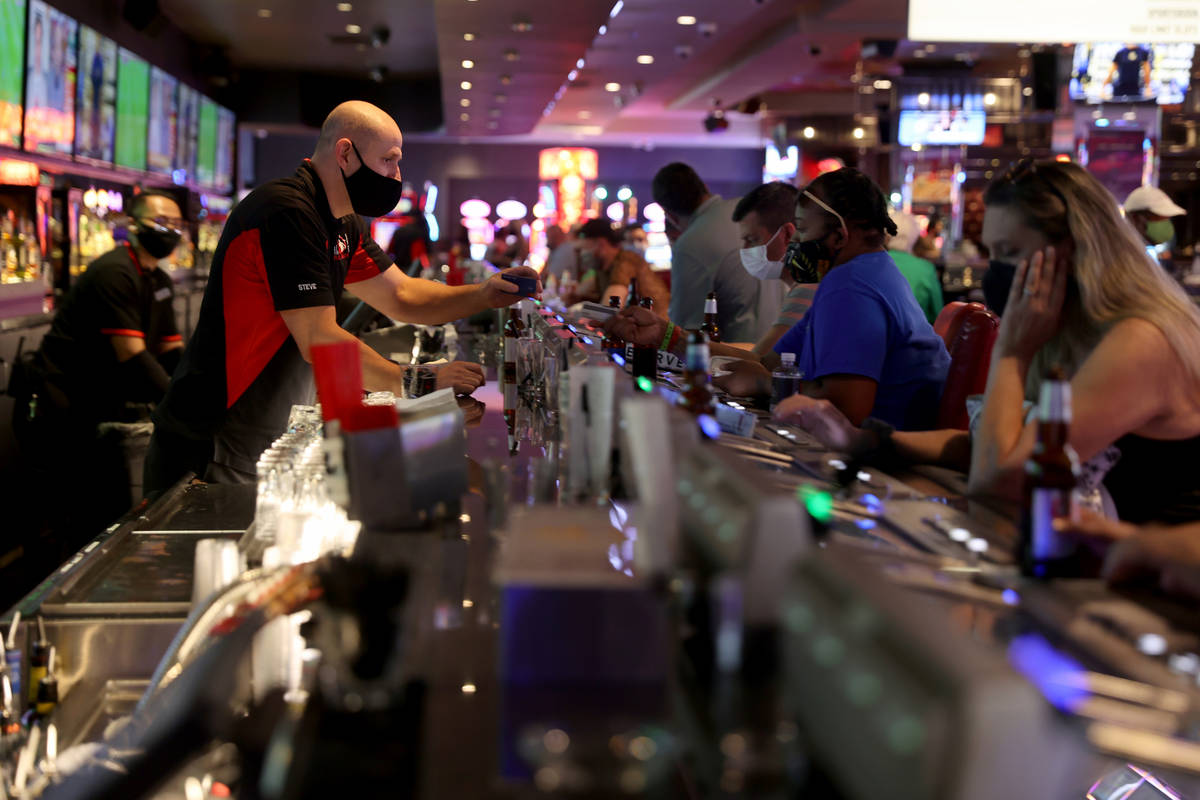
(1035,303)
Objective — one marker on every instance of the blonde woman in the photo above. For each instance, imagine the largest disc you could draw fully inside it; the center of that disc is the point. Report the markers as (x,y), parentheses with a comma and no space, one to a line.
(1086,297)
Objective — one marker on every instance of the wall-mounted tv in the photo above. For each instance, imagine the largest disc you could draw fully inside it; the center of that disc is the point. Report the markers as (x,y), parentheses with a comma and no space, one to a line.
(161,139)
(1131,71)
(226,135)
(953,127)
(50,81)
(133,97)
(96,97)
(186,130)
(206,143)
(12,51)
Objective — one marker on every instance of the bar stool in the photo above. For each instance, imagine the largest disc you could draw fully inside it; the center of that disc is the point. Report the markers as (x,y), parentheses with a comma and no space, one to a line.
(970,358)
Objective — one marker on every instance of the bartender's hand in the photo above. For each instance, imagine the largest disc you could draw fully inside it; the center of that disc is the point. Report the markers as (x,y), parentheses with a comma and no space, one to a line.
(638,326)
(826,422)
(745,379)
(472,411)
(500,293)
(463,377)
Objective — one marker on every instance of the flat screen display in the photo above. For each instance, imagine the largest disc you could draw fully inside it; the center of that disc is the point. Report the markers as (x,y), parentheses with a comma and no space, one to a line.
(133,98)
(206,143)
(187,127)
(160,146)
(96,98)
(941,127)
(225,138)
(1131,71)
(1061,21)
(50,81)
(12,51)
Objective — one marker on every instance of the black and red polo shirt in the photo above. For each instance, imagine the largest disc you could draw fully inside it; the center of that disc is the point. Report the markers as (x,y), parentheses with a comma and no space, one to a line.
(281,249)
(116,296)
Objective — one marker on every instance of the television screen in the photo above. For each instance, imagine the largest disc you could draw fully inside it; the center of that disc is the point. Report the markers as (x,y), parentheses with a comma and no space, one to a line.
(96,98)
(12,50)
(206,143)
(186,130)
(50,81)
(160,148)
(941,127)
(133,97)
(1128,71)
(226,132)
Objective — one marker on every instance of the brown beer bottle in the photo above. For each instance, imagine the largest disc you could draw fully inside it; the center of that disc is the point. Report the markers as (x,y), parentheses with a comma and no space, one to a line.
(697,396)
(612,343)
(1051,475)
(645,358)
(710,327)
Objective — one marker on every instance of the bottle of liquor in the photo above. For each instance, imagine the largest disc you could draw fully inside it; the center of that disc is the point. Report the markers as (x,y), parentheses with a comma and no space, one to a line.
(710,327)
(1051,475)
(611,343)
(786,380)
(645,357)
(697,396)
(513,328)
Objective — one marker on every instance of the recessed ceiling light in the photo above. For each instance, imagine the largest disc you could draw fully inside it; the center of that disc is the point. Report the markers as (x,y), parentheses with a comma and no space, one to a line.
(495,112)
(686,20)
(353,29)
(468,37)
(603,29)
(916,148)
(585,115)
(645,59)
(883,85)
(506,79)
(522,25)
(573,74)
(501,98)
(579,63)
(989,99)
(859,133)
(493,125)
(810,132)
(265,13)
(612,87)
(468,64)
(923,99)
(511,55)
(465,102)
(465,86)
(345,7)
(464,116)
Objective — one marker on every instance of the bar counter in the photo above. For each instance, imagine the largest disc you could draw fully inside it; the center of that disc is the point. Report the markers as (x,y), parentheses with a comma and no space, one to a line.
(725,705)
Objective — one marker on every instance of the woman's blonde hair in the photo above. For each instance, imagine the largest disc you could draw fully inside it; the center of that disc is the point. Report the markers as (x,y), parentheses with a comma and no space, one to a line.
(1113,277)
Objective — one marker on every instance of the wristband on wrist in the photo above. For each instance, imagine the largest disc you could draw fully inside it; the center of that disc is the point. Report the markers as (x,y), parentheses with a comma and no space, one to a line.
(884,453)
(666,342)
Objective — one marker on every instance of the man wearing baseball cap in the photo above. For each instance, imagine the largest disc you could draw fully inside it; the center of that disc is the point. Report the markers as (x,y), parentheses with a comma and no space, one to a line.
(1149,210)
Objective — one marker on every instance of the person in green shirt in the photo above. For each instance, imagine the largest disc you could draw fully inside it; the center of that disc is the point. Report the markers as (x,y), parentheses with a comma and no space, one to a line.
(921,274)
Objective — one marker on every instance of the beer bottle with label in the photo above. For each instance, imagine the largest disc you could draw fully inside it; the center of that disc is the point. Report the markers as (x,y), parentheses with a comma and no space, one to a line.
(710,327)
(611,343)
(645,357)
(1051,475)
(697,396)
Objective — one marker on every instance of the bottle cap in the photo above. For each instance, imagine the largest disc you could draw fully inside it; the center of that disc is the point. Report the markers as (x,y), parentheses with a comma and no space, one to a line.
(788,358)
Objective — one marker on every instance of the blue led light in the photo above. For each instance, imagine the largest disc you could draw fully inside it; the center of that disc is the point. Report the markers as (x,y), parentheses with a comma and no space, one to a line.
(1058,677)
(865,524)
(618,359)
(710,426)
(871,501)
(1010,597)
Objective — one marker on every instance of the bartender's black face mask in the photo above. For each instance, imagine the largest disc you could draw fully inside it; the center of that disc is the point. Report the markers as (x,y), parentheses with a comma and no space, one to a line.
(371,194)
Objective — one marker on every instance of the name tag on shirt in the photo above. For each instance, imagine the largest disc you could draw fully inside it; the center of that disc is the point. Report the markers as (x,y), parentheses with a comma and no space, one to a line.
(162,294)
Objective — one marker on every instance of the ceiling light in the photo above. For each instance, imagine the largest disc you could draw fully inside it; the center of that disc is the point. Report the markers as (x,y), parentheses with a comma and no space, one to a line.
(465,102)
(501,98)
(645,59)
(585,115)
(468,64)
(493,126)
(465,86)
(511,55)
(686,20)
(573,74)
(859,133)
(495,112)
(989,99)
(579,64)
(1027,91)
(603,29)
(616,9)
(353,29)
(468,37)
(923,99)
(506,79)
(809,132)
(883,85)
(916,148)
(464,116)
(345,7)
(522,25)
(612,87)
(265,13)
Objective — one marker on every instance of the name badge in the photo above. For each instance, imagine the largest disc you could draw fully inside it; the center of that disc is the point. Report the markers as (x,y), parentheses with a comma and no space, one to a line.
(162,294)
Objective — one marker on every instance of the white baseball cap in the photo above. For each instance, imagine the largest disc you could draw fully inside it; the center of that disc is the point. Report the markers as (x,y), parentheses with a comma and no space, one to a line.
(1154,200)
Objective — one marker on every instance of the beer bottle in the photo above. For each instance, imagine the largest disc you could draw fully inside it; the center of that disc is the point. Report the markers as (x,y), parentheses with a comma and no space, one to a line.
(697,395)
(611,343)
(710,327)
(645,357)
(634,298)
(1051,475)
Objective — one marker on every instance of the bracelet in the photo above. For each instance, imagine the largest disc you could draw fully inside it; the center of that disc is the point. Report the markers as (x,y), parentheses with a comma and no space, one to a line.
(666,342)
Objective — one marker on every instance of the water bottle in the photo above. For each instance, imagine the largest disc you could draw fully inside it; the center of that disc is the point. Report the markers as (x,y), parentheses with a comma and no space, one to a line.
(785,381)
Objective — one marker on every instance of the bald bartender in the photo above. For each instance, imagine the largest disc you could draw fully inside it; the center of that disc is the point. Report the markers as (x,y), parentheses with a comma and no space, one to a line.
(286,253)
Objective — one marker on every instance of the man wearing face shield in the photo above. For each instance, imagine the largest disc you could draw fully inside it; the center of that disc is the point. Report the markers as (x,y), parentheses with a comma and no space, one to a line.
(285,254)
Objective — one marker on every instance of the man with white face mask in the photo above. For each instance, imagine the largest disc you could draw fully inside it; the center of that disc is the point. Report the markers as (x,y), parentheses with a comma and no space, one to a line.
(765,218)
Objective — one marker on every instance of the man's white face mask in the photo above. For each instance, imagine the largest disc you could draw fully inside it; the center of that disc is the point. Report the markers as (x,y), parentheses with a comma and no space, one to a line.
(755,260)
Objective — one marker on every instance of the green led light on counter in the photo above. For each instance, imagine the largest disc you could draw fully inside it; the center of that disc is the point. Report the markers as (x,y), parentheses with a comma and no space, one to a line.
(645,384)
(818,503)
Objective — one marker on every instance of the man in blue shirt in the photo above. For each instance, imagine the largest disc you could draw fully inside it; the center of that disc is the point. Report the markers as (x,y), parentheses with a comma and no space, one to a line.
(865,344)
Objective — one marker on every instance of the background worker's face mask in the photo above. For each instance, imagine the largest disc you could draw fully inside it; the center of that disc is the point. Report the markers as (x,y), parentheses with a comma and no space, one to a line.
(1160,231)
(755,260)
